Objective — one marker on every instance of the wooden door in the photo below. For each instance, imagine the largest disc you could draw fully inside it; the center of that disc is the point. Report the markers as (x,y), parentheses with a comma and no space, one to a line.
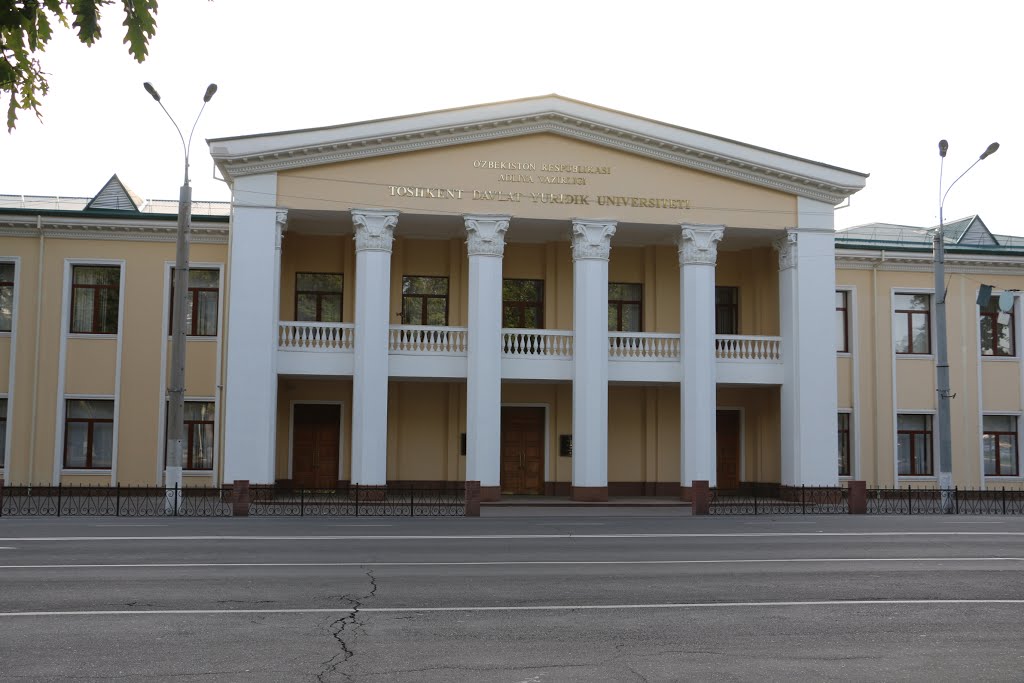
(522,450)
(728,439)
(315,442)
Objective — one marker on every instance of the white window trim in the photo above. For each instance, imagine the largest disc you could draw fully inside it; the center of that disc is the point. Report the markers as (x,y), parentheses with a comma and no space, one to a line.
(1016,329)
(161,442)
(65,324)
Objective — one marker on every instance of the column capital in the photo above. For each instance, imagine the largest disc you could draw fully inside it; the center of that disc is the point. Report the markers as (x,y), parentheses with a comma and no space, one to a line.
(485,234)
(591,239)
(281,216)
(698,244)
(786,246)
(374,228)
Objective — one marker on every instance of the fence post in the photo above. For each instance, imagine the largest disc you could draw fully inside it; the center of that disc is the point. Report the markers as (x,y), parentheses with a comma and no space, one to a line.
(803,499)
(472,499)
(910,501)
(412,500)
(357,500)
(956,500)
(1004,496)
(857,497)
(239,498)
(175,499)
(117,501)
(59,492)
(302,502)
(700,498)
(1,496)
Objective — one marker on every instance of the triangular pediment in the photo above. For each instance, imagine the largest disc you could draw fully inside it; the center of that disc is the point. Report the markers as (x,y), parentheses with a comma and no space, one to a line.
(550,114)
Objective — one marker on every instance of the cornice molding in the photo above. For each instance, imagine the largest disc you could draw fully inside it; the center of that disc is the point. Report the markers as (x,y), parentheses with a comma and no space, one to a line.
(126,231)
(586,130)
(922,263)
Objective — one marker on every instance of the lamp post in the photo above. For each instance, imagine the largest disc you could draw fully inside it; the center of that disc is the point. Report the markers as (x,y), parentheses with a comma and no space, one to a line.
(176,389)
(942,359)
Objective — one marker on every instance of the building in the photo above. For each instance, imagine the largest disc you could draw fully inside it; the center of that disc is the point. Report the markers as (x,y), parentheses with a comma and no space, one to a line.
(496,293)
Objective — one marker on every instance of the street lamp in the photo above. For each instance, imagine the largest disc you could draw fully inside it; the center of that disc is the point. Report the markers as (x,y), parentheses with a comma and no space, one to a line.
(942,360)
(176,391)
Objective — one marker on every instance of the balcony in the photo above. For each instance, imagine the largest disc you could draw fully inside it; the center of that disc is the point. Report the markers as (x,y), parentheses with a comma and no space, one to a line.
(417,351)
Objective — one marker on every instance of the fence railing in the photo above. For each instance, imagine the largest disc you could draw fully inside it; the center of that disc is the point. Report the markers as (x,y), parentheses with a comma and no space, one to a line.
(774,499)
(113,501)
(518,343)
(306,336)
(358,501)
(956,501)
(747,347)
(428,340)
(642,346)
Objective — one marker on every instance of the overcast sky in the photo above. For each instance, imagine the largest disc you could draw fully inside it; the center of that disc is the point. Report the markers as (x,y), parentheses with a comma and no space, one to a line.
(869,86)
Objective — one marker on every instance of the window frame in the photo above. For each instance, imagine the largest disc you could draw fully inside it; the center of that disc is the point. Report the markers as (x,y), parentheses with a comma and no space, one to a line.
(732,308)
(619,303)
(845,440)
(909,316)
(193,303)
(190,426)
(74,288)
(522,306)
(90,422)
(929,442)
(424,298)
(994,352)
(845,310)
(995,433)
(319,297)
(4,284)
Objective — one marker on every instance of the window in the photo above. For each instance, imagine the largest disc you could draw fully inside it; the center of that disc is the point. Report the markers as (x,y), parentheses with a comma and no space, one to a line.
(6,296)
(842,322)
(914,445)
(997,330)
(424,300)
(318,297)
(625,302)
(88,434)
(844,445)
(201,314)
(727,310)
(199,444)
(94,295)
(999,445)
(911,323)
(523,304)
(3,431)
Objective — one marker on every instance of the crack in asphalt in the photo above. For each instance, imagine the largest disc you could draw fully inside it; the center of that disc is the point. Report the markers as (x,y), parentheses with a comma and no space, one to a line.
(339,627)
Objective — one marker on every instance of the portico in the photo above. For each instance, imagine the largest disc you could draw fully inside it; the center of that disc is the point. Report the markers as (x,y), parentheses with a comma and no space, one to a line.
(480,288)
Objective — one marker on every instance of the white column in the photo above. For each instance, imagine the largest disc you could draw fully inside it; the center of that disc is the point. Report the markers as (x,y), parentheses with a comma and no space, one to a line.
(591,246)
(374,230)
(250,394)
(807,304)
(698,253)
(486,246)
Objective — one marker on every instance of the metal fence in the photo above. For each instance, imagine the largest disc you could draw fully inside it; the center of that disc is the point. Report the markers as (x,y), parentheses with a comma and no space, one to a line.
(358,501)
(775,499)
(957,501)
(113,501)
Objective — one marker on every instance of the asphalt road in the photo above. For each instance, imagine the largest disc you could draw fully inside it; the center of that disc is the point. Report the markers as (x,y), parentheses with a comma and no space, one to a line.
(515,596)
